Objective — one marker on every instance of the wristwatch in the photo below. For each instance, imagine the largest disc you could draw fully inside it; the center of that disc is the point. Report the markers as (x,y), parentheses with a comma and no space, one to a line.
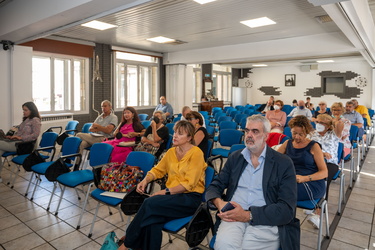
(167,192)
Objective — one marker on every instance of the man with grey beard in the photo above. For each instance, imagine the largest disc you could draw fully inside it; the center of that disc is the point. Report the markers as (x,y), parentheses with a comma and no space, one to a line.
(258,211)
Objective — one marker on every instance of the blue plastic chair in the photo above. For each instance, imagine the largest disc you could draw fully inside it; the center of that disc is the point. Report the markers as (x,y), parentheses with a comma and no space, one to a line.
(287,131)
(69,150)
(233,148)
(143,160)
(146,123)
(86,127)
(225,125)
(198,224)
(100,153)
(354,139)
(340,174)
(46,150)
(143,117)
(71,127)
(210,131)
(243,123)
(176,119)
(239,117)
(170,127)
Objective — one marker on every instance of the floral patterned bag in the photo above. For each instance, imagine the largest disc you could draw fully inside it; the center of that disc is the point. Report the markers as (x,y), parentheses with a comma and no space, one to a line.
(121,178)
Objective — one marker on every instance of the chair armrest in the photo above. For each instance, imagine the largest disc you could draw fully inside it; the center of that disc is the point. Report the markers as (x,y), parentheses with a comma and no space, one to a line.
(56,127)
(45,148)
(71,155)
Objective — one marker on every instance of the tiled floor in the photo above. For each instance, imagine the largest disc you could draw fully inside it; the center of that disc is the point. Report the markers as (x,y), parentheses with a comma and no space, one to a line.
(26,224)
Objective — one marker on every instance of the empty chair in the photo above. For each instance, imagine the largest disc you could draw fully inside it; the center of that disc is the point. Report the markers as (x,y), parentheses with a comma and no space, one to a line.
(225,125)
(233,148)
(143,117)
(237,119)
(146,123)
(86,127)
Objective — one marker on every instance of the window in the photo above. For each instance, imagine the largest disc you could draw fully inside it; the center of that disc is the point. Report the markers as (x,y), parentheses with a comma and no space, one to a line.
(136,80)
(60,83)
(222,85)
(197,82)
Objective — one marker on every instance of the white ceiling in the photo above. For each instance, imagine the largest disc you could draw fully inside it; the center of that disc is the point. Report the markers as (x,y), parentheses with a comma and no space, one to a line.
(215,24)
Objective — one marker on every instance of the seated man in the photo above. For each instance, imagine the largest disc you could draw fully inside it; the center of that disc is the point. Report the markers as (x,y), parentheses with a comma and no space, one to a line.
(301,110)
(362,110)
(267,106)
(166,108)
(354,117)
(261,185)
(102,127)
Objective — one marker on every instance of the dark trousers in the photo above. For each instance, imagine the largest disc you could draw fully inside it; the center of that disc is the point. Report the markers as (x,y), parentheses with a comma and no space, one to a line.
(145,231)
(332,170)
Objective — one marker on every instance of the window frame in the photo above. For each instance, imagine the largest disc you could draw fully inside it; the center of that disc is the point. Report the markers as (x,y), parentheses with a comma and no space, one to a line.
(69,99)
(153,94)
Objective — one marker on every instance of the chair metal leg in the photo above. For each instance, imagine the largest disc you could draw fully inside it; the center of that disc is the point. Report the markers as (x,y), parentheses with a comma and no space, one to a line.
(79,198)
(38,180)
(109,210)
(61,197)
(18,169)
(28,186)
(84,206)
(53,192)
(119,210)
(93,220)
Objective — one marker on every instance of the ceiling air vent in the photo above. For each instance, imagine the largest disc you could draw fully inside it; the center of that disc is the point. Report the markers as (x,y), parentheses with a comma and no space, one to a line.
(323,19)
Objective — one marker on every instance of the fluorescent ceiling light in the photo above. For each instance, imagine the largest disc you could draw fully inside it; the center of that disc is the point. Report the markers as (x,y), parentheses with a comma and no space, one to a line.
(161,39)
(204,1)
(258,22)
(259,65)
(99,25)
(325,61)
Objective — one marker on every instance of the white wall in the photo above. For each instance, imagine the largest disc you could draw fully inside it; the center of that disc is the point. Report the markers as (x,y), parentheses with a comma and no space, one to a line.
(275,76)
(15,84)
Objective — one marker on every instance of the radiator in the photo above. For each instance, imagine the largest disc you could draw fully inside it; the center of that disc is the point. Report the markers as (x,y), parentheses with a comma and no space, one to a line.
(55,120)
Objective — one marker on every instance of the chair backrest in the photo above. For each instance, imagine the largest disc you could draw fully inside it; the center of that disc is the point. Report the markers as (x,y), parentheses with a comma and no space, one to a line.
(86,127)
(176,119)
(287,120)
(210,173)
(170,127)
(227,124)
(70,146)
(223,118)
(371,113)
(288,132)
(236,147)
(234,113)
(210,130)
(141,159)
(249,111)
(71,125)
(353,133)
(219,114)
(100,153)
(239,117)
(204,113)
(228,137)
(48,140)
(214,110)
(340,152)
(169,142)
(243,122)
(210,144)
(313,124)
(230,110)
(143,117)
(146,123)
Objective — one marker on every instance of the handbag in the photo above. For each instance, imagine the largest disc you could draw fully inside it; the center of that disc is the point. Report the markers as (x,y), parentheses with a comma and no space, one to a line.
(132,201)
(31,160)
(56,169)
(147,147)
(24,148)
(61,138)
(119,178)
(111,242)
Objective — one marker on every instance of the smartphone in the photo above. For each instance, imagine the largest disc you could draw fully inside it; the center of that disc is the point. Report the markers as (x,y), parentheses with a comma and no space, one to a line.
(227,207)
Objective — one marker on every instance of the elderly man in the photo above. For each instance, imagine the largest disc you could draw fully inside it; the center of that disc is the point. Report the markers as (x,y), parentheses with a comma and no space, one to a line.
(363,111)
(165,107)
(261,189)
(267,106)
(301,110)
(354,117)
(102,128)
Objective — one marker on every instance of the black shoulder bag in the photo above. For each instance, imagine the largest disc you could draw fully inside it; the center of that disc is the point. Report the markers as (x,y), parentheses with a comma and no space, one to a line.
(56,169)
(31,160)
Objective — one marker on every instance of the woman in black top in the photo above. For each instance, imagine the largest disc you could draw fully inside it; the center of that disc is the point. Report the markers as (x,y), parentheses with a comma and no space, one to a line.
(201,136)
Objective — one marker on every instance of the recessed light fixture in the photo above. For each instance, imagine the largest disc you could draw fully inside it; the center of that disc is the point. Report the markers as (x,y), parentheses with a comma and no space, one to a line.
(325,61)
(204,1)
(258,22)
(161,39)
(259,65)
(99,25)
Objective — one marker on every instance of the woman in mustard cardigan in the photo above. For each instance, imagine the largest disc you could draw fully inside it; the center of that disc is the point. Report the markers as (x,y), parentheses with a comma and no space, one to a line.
(184,163)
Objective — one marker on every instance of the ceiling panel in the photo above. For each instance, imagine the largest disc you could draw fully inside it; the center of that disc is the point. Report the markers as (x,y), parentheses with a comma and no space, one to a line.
(201,26)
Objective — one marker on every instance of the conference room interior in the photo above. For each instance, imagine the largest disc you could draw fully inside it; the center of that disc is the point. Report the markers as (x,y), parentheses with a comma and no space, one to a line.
(318,49)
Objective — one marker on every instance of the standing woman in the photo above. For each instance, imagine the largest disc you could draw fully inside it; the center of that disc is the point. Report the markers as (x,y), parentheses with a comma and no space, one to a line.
(341,126)
(201,135)
(185,167)
(129,130)
(28,130)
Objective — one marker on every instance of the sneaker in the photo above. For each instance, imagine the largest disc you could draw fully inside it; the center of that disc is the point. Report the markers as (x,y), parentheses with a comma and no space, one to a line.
(308,212)
(314,220)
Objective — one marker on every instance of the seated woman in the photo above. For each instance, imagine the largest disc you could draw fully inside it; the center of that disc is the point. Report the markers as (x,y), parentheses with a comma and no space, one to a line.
(201,135)
(326,136)
(157,134)
(129,130)
(322,110)
(308,160)
(185,167)
(341,126)
(277,117)
(28,130)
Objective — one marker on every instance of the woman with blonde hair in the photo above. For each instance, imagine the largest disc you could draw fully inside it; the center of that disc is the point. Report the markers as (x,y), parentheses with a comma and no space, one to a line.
(341,125)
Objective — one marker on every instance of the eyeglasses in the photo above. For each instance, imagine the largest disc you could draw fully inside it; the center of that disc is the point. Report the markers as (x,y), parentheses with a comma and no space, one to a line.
(322,104)
(336,110)
(323,123)
(190,119)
